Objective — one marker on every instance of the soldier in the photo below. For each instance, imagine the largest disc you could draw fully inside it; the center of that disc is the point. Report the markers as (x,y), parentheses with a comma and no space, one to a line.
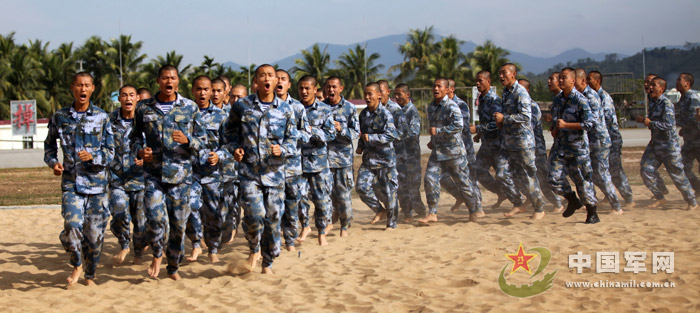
(617,173)
(541,159)
(227,87)
(143,93)
(690,128)
(554,88)
(448,153)
(377,177)
(491,153)
(88,148)
(408,163)
(571,119)
(340,150)
(126,180)
(446,182)
(518,137)
(219,96)
(208,171)
(229,171)
(315,160)
(295,184)
(657,175)
(260,135)
(167,134)
(664,147)
(237,91)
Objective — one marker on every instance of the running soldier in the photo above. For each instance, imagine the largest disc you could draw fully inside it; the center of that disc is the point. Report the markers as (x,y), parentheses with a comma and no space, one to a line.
(690,128)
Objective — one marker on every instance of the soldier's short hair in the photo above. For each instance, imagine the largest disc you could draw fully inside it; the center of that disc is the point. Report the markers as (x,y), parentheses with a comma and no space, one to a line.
(308,78)
(597,76)
(128,86)
(443,81)
(223,78)
(200,77)
(404,88)
(580,73)
(567,71)
(660,81)
(383,82)
(283,71)
(218,81)
(373,84)
(524,82)
(687,77)
(333,77)
(511,66)
(167,67)
(81,74)
(451,83)
(263,66)
(485,73)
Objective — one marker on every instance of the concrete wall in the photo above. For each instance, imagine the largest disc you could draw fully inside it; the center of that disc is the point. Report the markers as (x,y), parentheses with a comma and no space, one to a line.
(9,142)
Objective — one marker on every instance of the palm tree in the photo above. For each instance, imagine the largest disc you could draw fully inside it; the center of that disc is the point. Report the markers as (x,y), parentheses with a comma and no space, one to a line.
(131,57)
(209,67)
(95,61)
(357,69)
(416,53)
(314,63)
(489,57)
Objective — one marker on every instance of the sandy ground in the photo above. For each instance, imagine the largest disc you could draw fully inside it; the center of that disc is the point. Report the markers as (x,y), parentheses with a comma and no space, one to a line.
(451,266)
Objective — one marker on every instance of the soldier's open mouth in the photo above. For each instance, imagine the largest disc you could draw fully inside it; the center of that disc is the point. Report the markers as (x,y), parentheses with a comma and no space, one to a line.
(169,88)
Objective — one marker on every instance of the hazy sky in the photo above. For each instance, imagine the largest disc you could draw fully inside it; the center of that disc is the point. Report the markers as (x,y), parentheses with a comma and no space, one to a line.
(271,30)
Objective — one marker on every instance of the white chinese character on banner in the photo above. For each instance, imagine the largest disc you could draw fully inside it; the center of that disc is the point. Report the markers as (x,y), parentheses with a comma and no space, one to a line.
(635,262)
(579,261)
(662,261)
(606,262)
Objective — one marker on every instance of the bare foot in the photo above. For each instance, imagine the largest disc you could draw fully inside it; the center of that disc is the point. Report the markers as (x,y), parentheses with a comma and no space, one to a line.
(253,261)
(304,232)
(119,257)
(498,202)
(630,205)
(344,233)
(329,227)
(559,209)
(322,240)
(196,251)
(267,270)
(175,276)
(430,218)
(474,216)
(408,220)
(90,282)
(389,229)
(74,276)
(691,207)
(213,257)
(233,235)
(657,203)
(380,216)
(137,261)
(479,214)
(291,248)
(515,210)
(537,216)
(617,212)
(154,269)
(456,206)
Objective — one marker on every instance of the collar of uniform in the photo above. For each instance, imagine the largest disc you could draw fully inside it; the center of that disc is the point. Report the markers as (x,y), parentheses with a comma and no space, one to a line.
(88,111)
(275,102)
(512,87)
(178,99)
(407,106)
(340,103)
(688,94)
(212,107)
(313,106)
(376,111)
(588,89)
(442,101)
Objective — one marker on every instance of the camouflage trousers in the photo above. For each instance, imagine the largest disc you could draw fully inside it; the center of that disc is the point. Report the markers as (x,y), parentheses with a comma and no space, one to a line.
(652,160)
(448,184)
(690,155)
(377,188)
(458,169)
(578,167)
(502,184)
(167,209)
(233,212)
(617,173)
(341,201)
(542,177)
(294,190)
(262,212)
(601,176)
(212,212)
(409,187)
(85,219)
(127,208)
(319,188)
(194,229)
(524,170)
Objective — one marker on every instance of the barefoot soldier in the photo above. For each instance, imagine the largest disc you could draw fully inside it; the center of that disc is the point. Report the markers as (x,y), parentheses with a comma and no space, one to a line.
(87,143)
(126,180)
(690,128)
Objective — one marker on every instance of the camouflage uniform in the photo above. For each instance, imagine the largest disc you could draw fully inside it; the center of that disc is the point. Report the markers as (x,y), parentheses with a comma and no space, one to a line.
(340,159)
(126,188)
(169,175)
(519,141)
(541,158)
(491,152)
(230,189)
(600,143)
(448,154)
(408,165)
(690,130)
(295,184)
(377,178)
(207,186)
(445,180)
(617,173)
(570,154)
(261,173)
(664,148)
(84,204)
(314,155)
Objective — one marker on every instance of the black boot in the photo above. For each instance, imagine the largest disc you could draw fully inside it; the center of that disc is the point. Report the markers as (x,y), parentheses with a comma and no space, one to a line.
(574,204)
(592,215)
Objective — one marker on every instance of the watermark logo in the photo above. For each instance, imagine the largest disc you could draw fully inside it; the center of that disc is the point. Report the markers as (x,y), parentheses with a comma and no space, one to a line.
(521,261)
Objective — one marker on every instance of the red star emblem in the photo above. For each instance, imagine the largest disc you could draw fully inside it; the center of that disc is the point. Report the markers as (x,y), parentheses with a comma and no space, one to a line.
(520,260)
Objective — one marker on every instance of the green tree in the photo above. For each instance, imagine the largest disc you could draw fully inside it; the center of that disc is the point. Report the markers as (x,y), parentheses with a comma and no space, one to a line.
(489,57)
(357,69)
(419,46)
(314,63)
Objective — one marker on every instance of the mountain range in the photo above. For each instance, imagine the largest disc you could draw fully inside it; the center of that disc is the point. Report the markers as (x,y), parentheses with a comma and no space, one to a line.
(387,47)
